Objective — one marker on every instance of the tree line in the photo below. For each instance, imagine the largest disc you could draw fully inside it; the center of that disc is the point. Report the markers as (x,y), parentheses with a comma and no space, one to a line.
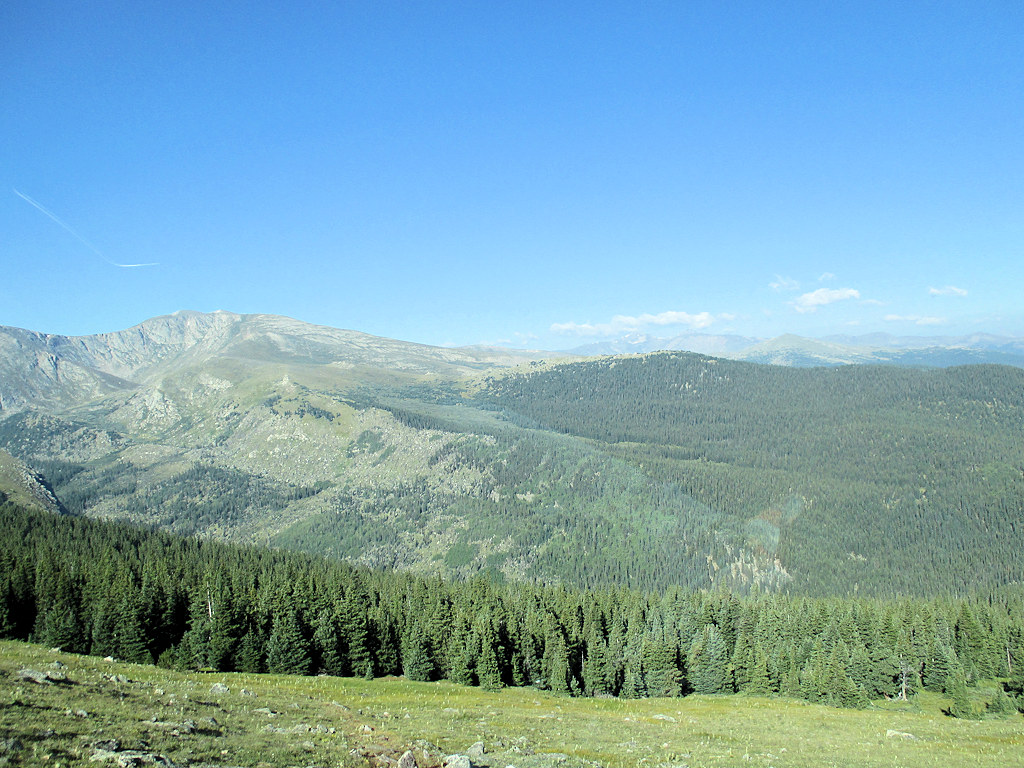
(150,597)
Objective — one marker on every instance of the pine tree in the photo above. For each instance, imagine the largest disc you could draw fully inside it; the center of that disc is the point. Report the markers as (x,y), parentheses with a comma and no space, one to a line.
(839,689)
(223,643)
(61,625)
(661,669)
(130,634)
(633,683)
(759,683)
(742,661)
(556,661)
(287,650)
(251,650)
(938,666)
(325,643)
(386,646)
(1001,706)
(708,662)
(595,666)
(355,636)
(8,609)
(416,661)
(488,670)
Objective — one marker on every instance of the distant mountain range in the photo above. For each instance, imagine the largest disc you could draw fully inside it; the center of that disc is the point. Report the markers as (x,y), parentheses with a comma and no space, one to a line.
(653,469)
(791,350)
(38,369)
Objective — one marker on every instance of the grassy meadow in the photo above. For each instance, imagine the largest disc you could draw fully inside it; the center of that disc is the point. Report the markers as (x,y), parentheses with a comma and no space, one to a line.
(267,721)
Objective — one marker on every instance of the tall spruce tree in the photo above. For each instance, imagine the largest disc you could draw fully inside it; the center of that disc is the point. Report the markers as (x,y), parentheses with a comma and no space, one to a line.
(708,662)
(287,649)
(417,663)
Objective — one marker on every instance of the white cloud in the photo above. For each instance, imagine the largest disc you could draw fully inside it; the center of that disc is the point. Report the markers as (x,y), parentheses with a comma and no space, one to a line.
(915,319)
(809,302)
(626,323)
(825,277)
(949,290)
(781,283)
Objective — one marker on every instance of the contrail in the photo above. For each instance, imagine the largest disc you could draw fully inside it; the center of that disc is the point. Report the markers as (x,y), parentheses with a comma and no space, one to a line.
(54,217)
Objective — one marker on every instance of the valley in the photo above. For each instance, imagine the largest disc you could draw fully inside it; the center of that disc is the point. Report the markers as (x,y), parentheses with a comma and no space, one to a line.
(669,468)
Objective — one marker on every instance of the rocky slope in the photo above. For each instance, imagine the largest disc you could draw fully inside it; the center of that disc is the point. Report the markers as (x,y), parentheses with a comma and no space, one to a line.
(45,371)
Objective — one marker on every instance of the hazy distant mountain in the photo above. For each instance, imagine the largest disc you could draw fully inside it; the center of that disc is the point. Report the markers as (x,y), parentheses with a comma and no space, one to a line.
(883,350)
(971,341)
(799,351)
(716,345)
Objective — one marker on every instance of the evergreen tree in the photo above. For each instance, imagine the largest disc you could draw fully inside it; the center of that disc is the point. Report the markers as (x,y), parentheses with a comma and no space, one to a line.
(224,630)
(326,643)
(556,662)
(488,670)
(416,661)
(662,675)
(103,639)
(251,650)
(938,666)
(1001,706)
(130,634)
(464,658)
(8,609)
(386,646)
(61,625)
(595,666)
(287,650)
(961,705)
(759,683)
(708,662)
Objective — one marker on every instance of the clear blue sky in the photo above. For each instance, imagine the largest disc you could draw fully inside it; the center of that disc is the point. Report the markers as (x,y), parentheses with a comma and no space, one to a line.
(539,174)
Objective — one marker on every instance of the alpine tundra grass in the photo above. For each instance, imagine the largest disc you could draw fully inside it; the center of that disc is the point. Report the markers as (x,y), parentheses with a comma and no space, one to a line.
(86,708)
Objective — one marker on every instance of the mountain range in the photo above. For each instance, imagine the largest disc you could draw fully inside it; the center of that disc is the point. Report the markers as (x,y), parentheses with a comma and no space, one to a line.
(792,350)
(645,469)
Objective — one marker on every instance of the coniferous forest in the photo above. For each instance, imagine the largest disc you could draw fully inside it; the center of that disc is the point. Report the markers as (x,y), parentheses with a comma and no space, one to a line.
(636,526)
(143,596)
(653,471)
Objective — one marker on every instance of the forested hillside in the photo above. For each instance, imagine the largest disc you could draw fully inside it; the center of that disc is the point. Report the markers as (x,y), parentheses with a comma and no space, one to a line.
(653,471)
(857,478)
(104,588)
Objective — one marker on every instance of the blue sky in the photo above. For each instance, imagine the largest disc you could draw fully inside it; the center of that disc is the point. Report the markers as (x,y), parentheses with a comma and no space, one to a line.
(541,174)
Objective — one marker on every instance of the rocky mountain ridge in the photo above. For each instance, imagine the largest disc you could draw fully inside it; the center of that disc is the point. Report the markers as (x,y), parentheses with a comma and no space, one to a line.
(53,371)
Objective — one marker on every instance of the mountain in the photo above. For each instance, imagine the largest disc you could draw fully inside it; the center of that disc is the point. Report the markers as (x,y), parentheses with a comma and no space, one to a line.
(43,370)
(651,470)
(792,350)
(798,351)
(719,345)
(23,487)
(884,350)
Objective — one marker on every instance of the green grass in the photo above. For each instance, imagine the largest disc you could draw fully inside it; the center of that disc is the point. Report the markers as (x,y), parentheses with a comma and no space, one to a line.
(695,731)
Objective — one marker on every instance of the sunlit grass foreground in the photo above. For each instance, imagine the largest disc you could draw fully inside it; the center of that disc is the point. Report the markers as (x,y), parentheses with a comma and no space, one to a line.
(324,721)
